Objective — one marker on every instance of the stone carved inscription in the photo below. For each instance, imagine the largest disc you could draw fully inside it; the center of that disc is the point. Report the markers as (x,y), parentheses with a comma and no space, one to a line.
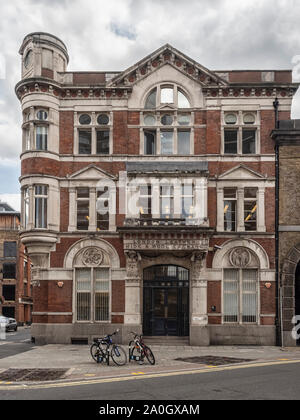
(92,257)
(167,244)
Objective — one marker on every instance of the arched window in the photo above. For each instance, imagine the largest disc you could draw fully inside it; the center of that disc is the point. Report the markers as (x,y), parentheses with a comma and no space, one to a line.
(167,120)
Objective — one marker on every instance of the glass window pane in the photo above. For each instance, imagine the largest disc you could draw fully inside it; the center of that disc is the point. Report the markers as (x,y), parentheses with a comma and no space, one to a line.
(167,96)
(83,214)
(103,119)
(167,119)
(183,142)
(230,141)
(249,299)
(41,138)
(151,100)
(231,296)
(250,211)
(85,119)
(85,142)
(184,119)
(103,142)
(149,120)
(183,101)
(249,140)
(83,192)
(230,216)
(102,209)
(229,193)
(41,213)
(150,142)
(166,142)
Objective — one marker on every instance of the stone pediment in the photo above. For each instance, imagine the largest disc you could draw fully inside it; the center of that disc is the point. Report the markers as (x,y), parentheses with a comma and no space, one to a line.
(168,55)
(91,172)
(240,172)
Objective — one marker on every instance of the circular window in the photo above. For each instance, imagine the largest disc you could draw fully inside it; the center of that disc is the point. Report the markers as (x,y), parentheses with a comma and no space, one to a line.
(230,118)
(249,119)
(167,119)
(149,120)
(85,119)
(103,119)
(42,115)
(184,119)
(28,59)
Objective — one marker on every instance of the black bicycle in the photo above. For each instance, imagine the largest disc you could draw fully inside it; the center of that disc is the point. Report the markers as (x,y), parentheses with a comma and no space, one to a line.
(138,350)
(103,348)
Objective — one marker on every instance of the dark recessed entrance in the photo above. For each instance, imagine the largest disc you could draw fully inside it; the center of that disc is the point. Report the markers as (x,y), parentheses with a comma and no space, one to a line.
(297,295)
(166,301)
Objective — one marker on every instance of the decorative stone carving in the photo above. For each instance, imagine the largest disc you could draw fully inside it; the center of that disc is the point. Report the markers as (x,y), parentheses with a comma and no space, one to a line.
(240,257)
(197,259)
(92,257)
(132,268)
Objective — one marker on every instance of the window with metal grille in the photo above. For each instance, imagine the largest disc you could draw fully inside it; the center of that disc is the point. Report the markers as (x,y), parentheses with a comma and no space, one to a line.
(240,300)
(92,294)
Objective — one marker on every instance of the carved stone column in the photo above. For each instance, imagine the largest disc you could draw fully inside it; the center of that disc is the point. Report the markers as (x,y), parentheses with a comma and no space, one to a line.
(132,289)
(199,334)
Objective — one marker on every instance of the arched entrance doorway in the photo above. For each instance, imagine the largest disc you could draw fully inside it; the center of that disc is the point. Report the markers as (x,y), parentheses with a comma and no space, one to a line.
(166,301)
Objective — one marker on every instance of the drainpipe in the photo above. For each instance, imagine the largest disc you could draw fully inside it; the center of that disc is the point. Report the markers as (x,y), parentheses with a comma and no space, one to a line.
(279,326)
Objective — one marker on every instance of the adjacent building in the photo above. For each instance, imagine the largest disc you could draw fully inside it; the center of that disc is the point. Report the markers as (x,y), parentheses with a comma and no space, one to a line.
(148,197)
(15,288)
(287,141)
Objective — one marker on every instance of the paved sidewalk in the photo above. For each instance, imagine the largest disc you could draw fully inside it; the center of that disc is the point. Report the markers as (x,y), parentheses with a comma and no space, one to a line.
(80,365)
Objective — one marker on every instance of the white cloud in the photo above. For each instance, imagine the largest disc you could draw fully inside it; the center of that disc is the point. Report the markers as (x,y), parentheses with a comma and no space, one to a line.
(113,35)
(14,200)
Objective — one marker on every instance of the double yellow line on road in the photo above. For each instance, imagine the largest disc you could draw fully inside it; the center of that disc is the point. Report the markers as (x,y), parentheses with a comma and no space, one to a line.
(144,376)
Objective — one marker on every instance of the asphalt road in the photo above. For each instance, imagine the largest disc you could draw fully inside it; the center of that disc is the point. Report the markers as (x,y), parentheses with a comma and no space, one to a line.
(16,342)
(277,382)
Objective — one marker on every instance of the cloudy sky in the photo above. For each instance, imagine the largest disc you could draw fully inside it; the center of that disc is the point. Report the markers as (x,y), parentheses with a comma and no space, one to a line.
(114,34)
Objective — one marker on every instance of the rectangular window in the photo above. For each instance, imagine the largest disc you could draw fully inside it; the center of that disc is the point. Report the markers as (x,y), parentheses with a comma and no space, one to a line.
(249,298)
(166,202)
(150,142)
(83,294)
(166,142)
(103,142)
(187,201)
(103,209)
(26,207)
(230,207)
(10,249)
(41,137)
(9,271)
(230,142)
(231,295)
(27,139)
(184,142)
(101,294)
(9,292)
(249,142)
(240,296)
(250,209)
(83,208)
(92,294)
(145,202)
(85,142)
(40,202)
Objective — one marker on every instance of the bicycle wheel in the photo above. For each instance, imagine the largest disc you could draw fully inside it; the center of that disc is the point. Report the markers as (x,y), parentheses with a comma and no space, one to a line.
(118,355)
(95,351)
(150,356)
